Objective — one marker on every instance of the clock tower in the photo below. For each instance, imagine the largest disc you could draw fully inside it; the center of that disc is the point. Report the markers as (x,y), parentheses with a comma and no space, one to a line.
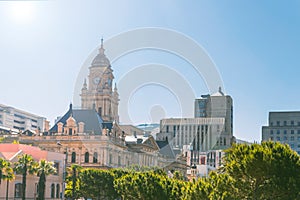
(99,93)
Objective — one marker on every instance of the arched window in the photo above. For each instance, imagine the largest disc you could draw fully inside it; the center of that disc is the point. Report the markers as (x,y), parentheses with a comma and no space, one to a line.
(18,190)
(95,157)
(57,191)
(73,159)
(52,190)
(86,157)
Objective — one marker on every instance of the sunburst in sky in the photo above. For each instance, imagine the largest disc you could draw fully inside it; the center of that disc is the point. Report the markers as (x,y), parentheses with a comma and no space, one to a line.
(22,11)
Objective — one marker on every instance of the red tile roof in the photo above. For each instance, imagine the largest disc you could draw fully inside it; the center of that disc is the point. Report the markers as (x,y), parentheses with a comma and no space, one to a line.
(8,151)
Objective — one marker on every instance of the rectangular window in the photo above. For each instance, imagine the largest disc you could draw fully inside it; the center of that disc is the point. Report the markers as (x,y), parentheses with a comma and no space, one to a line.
(56,166)
(292,131)
(298,131)
(284,138)
(18,190)
(271,132)
(284,123)
(100,111)
(292,138)
(278,131)
(110,159)
(278,138)
(278,123)
(19,116)
(119,160)
(284,132)
(292,123)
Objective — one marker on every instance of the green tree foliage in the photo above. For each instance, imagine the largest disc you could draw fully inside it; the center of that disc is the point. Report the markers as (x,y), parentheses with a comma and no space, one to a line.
(258,171)
(25,165)
(267,171)
(6,173)
(43,169)
(97,184)
(141,185)
(72,189)
(3,165)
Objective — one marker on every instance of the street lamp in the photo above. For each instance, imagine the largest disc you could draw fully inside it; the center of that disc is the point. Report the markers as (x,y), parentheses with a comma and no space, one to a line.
(62,196)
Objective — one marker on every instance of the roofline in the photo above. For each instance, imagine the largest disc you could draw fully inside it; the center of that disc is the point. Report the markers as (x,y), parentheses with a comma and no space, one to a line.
(22,111)
(284,111)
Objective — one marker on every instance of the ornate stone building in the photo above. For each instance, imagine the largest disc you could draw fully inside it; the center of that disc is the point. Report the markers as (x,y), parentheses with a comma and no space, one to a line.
(99,93)
(92,137)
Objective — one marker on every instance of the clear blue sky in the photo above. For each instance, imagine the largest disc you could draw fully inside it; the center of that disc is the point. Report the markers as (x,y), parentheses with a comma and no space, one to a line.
(255,45)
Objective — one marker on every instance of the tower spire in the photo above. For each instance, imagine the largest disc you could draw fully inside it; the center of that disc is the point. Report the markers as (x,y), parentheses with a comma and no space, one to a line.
(101,50)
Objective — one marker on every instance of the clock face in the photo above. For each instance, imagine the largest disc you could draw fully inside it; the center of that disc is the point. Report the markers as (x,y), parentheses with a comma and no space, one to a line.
(96,80)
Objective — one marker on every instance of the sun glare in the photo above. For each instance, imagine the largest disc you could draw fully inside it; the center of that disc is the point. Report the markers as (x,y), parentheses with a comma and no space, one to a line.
(22,11)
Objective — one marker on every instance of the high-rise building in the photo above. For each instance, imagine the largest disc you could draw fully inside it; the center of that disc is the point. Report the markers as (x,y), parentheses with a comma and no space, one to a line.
(16,120)
(210,129)
(202,134)
(217,105)
(283,127)
(99,94)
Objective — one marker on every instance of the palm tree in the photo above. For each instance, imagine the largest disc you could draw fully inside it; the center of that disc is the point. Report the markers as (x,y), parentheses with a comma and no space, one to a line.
(9,175)
(44,169)
(25,165)
(6,173)
(3,166)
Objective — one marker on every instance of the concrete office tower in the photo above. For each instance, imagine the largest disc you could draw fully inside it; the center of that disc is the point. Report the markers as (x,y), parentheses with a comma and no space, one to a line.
(217,105)
(16,120)
(283,127)
(202,134)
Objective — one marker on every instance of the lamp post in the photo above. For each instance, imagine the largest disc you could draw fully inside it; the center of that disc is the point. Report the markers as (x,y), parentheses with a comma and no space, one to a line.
(62,196)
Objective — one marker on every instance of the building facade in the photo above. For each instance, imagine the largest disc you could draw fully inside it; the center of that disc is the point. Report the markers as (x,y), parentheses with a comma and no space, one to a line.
(54,183)
(216,105)
(99,94)
(202,134)
(201,163)
(16,120)
(283,127)
(87,141)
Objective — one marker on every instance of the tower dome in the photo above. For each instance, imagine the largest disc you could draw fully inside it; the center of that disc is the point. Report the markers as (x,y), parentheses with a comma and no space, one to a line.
(101,60)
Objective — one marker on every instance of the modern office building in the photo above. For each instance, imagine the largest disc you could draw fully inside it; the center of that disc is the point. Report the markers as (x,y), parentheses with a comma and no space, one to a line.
(283,127)
(17,120)
(216,105)
(202,134)
(210,129)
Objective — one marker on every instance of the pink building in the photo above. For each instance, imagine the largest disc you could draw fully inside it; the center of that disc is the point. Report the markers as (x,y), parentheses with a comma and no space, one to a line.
(54,183)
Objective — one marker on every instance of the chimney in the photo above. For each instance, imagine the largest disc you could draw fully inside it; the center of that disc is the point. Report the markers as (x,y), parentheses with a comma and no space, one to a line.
(60,128)
(46,125)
